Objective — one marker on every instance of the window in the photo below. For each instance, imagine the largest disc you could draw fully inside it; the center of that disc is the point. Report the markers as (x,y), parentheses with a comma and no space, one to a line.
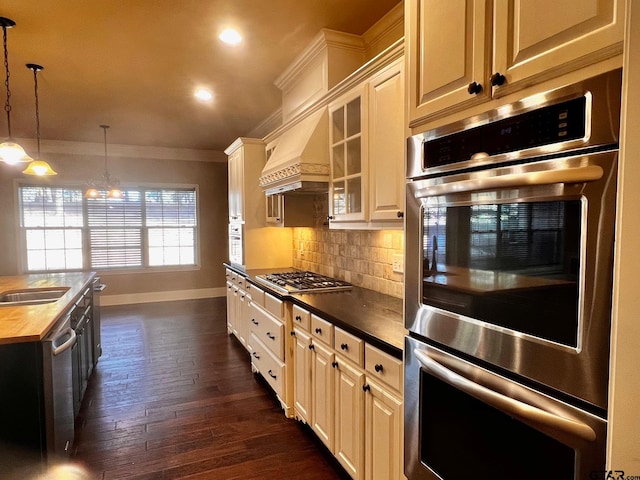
(148,227)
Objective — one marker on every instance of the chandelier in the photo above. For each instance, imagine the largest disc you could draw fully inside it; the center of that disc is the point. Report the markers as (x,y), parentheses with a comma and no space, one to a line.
(107,183)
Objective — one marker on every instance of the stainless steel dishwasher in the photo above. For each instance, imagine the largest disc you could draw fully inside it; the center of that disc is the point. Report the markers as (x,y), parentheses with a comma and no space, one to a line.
(58,387)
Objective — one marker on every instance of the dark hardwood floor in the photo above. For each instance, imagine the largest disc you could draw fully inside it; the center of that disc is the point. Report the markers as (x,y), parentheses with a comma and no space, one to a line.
(173,396)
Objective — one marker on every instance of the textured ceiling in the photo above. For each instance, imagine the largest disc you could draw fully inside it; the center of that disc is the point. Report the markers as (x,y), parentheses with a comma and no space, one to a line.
(133,64)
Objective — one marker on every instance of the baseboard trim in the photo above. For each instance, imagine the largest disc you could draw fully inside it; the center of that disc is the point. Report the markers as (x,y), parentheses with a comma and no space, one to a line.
(151,297)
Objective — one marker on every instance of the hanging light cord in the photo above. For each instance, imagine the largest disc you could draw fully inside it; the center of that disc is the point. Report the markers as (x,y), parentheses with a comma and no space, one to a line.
(106,172)
(7,105)
(35,82)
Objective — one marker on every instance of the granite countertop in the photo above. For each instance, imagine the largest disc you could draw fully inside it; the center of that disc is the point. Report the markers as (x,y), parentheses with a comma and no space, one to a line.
(375,317)
(31,323)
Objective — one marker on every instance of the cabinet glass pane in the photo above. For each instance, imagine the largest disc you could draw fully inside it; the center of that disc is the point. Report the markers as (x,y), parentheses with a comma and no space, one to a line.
(337,122)
(354,195)
(353,156)
(339,206)
(338,161)
(353,117)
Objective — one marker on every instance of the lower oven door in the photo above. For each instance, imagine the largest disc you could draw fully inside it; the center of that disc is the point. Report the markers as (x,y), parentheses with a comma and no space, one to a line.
(463,421)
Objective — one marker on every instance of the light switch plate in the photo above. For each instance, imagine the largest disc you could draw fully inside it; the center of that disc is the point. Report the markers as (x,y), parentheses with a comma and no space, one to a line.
(398,263)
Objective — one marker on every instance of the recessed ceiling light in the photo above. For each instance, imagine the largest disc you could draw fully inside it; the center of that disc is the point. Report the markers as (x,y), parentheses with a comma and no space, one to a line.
(203,94)
(230,36)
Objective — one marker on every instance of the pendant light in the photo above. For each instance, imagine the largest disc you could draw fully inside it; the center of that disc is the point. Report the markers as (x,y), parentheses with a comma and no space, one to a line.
(38,167)
(108,183)
(10,151)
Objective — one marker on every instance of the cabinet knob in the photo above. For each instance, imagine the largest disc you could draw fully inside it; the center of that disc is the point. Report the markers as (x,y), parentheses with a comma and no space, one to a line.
(474,88)
(344,346)
(271,374)
(272,337)
(256,356)
(497,79)
(277,219)
(366,388)
(254,321)
(330,217)
(378,368)
(311,347)
(298,318)
(319,331)
(292,333)
(334,364)
(400,214)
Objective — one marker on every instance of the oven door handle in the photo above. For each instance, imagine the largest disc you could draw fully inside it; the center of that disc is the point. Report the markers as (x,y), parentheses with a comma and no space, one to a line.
(523,411)
(588,173)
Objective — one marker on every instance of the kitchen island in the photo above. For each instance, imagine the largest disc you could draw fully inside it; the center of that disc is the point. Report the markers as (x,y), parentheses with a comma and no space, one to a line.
(47,341)
(31,323)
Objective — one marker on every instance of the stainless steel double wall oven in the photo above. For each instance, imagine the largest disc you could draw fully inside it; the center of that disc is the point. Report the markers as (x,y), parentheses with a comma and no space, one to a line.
(509,244)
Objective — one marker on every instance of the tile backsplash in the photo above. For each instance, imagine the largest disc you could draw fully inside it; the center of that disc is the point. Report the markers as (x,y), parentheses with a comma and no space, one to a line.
(361,257)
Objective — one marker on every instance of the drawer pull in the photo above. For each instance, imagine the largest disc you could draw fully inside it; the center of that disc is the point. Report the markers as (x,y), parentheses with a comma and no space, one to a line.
(366,388)
(319,331)
(272,337)
(292,333)
(271,374)
(378,368)
(311,347)
(334,364)
(256,356)
(254,321)
(344,346)
(298,318)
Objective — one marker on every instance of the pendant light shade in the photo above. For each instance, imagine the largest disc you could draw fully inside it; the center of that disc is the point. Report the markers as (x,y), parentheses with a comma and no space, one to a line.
(108,183)
(10,151)
(37,166)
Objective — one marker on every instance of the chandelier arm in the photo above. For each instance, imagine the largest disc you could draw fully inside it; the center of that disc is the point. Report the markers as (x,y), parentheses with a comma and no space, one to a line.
(7,104)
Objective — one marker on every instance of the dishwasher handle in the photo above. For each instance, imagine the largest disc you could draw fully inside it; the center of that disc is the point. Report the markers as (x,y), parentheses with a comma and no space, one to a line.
(66,345)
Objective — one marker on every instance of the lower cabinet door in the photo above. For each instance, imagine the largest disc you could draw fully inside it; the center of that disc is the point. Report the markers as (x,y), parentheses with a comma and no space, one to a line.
(322,403)
(384,431)
(349,415)
(302,375)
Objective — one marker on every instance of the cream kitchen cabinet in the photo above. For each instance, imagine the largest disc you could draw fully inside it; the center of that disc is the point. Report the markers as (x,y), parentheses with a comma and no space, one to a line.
(367,139)
(348,146)
(268,347)
(464,52)
(246,157)
(238,300)
(350,393)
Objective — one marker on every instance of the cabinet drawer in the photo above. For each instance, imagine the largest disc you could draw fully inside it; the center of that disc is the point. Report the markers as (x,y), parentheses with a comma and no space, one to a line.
(349,346)
(301,318)
(268,329)
(272,369)
(257,294)
(322,330)
(383,366)
(274,305)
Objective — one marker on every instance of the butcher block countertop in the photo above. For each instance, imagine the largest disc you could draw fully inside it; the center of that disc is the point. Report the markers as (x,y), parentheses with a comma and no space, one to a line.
(31,323)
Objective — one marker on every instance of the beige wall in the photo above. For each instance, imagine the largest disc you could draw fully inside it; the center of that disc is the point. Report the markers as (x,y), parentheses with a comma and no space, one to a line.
(363,258)
(76,168)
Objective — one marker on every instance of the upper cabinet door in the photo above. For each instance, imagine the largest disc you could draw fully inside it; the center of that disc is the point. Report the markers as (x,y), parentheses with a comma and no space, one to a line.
(236,186)
(534,41)
(448,55)
(387,144)
(349,156)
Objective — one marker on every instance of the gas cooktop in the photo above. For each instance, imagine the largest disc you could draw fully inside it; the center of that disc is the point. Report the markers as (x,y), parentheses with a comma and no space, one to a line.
(301,282)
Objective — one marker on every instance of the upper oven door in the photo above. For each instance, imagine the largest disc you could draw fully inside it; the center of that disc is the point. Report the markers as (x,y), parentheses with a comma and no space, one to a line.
(514,266)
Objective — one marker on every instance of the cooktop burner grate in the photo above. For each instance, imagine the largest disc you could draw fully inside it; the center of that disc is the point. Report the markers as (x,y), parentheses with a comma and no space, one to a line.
(302,282)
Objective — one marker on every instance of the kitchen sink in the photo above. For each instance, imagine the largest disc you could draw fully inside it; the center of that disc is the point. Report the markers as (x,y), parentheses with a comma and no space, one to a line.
(32,296)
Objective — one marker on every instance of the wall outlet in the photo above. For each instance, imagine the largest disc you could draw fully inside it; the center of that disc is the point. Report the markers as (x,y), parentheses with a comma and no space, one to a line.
(398,263)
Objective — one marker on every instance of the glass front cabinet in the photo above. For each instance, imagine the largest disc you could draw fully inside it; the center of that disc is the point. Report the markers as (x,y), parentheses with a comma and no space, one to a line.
(349,157)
